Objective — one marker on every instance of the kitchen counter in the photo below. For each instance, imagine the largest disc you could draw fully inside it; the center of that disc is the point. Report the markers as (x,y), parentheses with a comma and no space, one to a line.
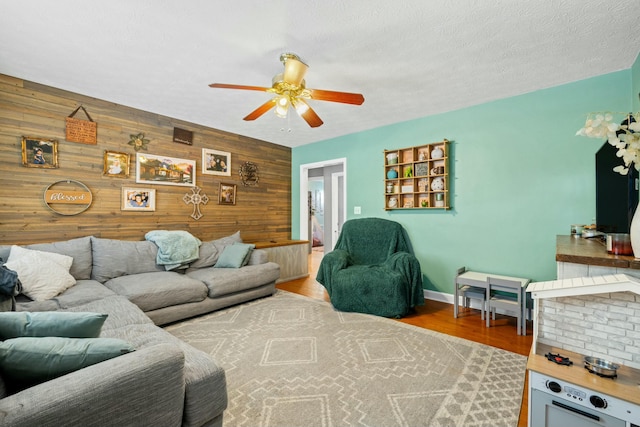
(591,251)
(626,386)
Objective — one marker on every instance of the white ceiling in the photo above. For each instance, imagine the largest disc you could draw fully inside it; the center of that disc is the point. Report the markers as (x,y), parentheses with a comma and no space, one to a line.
(409,58)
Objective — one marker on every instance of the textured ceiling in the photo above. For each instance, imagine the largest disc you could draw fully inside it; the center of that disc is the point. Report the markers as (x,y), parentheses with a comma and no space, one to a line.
(410,58)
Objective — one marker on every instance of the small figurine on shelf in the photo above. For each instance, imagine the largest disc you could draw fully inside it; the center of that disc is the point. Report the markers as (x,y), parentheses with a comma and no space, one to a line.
(408,172)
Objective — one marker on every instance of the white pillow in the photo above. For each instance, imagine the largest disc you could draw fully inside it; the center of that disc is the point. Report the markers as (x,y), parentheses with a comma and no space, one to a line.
(43,274)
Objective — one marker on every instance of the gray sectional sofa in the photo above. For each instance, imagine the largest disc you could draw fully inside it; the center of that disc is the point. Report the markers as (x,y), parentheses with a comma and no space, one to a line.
(164,382)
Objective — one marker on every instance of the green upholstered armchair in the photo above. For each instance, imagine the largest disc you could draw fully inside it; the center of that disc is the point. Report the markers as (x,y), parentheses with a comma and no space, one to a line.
(371,269)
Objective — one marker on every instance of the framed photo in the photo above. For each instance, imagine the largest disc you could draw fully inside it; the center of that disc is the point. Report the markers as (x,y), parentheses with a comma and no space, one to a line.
(152,169)
(39,153)
(227,194)
(216,162)
(116,164)
(138,199)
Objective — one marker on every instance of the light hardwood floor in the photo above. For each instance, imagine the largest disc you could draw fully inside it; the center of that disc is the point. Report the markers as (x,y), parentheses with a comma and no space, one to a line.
(438,316)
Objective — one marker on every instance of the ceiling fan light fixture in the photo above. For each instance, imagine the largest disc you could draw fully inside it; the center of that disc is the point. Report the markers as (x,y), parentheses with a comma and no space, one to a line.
(300,105)
(282,106)
(294,69)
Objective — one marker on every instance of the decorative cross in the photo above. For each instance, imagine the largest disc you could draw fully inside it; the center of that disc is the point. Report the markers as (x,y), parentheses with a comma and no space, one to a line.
(195,198)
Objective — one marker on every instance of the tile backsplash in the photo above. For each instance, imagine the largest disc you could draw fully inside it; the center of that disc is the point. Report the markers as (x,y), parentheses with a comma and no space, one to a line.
(602,325)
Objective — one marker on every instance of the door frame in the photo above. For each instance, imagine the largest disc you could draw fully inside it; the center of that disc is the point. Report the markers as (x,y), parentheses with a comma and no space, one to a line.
(335,213)
(304,189)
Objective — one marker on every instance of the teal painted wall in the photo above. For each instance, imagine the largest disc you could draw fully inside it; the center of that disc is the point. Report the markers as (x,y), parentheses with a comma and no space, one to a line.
(520,177)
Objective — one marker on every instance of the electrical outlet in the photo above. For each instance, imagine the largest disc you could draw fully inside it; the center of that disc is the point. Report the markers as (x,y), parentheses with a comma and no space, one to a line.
(357,210)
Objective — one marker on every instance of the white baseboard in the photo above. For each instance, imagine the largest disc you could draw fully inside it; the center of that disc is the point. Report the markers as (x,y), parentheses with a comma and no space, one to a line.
(438,296)
(448,298)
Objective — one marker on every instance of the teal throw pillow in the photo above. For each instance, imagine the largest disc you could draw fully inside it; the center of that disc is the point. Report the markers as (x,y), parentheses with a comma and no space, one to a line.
(235,256)
(31,360)
(15,324)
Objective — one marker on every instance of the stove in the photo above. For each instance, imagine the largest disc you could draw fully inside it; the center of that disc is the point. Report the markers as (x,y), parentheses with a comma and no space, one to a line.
(554,402)
(560,360)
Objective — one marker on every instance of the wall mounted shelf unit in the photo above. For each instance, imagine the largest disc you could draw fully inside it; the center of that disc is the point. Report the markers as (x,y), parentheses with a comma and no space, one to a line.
(417,177)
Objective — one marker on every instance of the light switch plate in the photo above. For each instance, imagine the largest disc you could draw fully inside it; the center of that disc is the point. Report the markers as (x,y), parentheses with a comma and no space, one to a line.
(357,210)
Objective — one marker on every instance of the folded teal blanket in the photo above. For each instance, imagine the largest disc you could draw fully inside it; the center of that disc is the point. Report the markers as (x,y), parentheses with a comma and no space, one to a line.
(175,248)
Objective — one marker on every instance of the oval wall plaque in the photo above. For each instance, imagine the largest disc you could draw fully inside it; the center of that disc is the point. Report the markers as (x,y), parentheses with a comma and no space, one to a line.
(67,197)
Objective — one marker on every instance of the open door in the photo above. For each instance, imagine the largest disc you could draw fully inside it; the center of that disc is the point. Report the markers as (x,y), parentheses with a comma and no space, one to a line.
(333,175)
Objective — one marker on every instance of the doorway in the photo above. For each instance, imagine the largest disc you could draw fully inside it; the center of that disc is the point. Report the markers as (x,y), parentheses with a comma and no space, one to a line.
(327,183)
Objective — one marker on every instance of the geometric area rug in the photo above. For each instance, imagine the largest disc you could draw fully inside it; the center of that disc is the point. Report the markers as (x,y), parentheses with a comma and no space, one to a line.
(291,360)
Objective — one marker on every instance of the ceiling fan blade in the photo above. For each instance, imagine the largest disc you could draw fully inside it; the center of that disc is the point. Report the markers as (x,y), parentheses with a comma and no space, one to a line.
(261,110)
(228,86)
(343,97)
(307,113)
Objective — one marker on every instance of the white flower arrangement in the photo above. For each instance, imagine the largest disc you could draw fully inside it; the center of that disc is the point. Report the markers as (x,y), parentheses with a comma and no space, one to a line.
(624,136)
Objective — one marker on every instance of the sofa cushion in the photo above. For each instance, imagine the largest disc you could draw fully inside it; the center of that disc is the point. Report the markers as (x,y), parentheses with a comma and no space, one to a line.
(235,256)
(50,324)
(115,258)
(123,314)
(78,249)
(151,291)
(207,256)
(258,256)
(30,360)
(24,303)
(43,274)
(84,291)
(229,240)
(223,281)
(210,251)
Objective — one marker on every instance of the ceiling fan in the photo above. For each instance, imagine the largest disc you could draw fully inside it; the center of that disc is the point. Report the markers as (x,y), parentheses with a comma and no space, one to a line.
(290,90)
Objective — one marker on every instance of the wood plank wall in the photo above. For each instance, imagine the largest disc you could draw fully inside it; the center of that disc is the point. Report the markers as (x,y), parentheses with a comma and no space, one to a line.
(261,212)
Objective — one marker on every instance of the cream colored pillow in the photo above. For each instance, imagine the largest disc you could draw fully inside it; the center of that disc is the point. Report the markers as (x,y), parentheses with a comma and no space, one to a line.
(43,274)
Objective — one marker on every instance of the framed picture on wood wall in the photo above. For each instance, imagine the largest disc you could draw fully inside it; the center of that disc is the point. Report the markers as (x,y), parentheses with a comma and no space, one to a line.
(116,164)
(138,199)
(216,162)
(39,153)
(153,169)
(227,194)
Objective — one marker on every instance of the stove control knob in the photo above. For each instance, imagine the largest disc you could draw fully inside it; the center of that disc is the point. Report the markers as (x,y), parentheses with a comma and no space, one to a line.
(554,386)
(598,402)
